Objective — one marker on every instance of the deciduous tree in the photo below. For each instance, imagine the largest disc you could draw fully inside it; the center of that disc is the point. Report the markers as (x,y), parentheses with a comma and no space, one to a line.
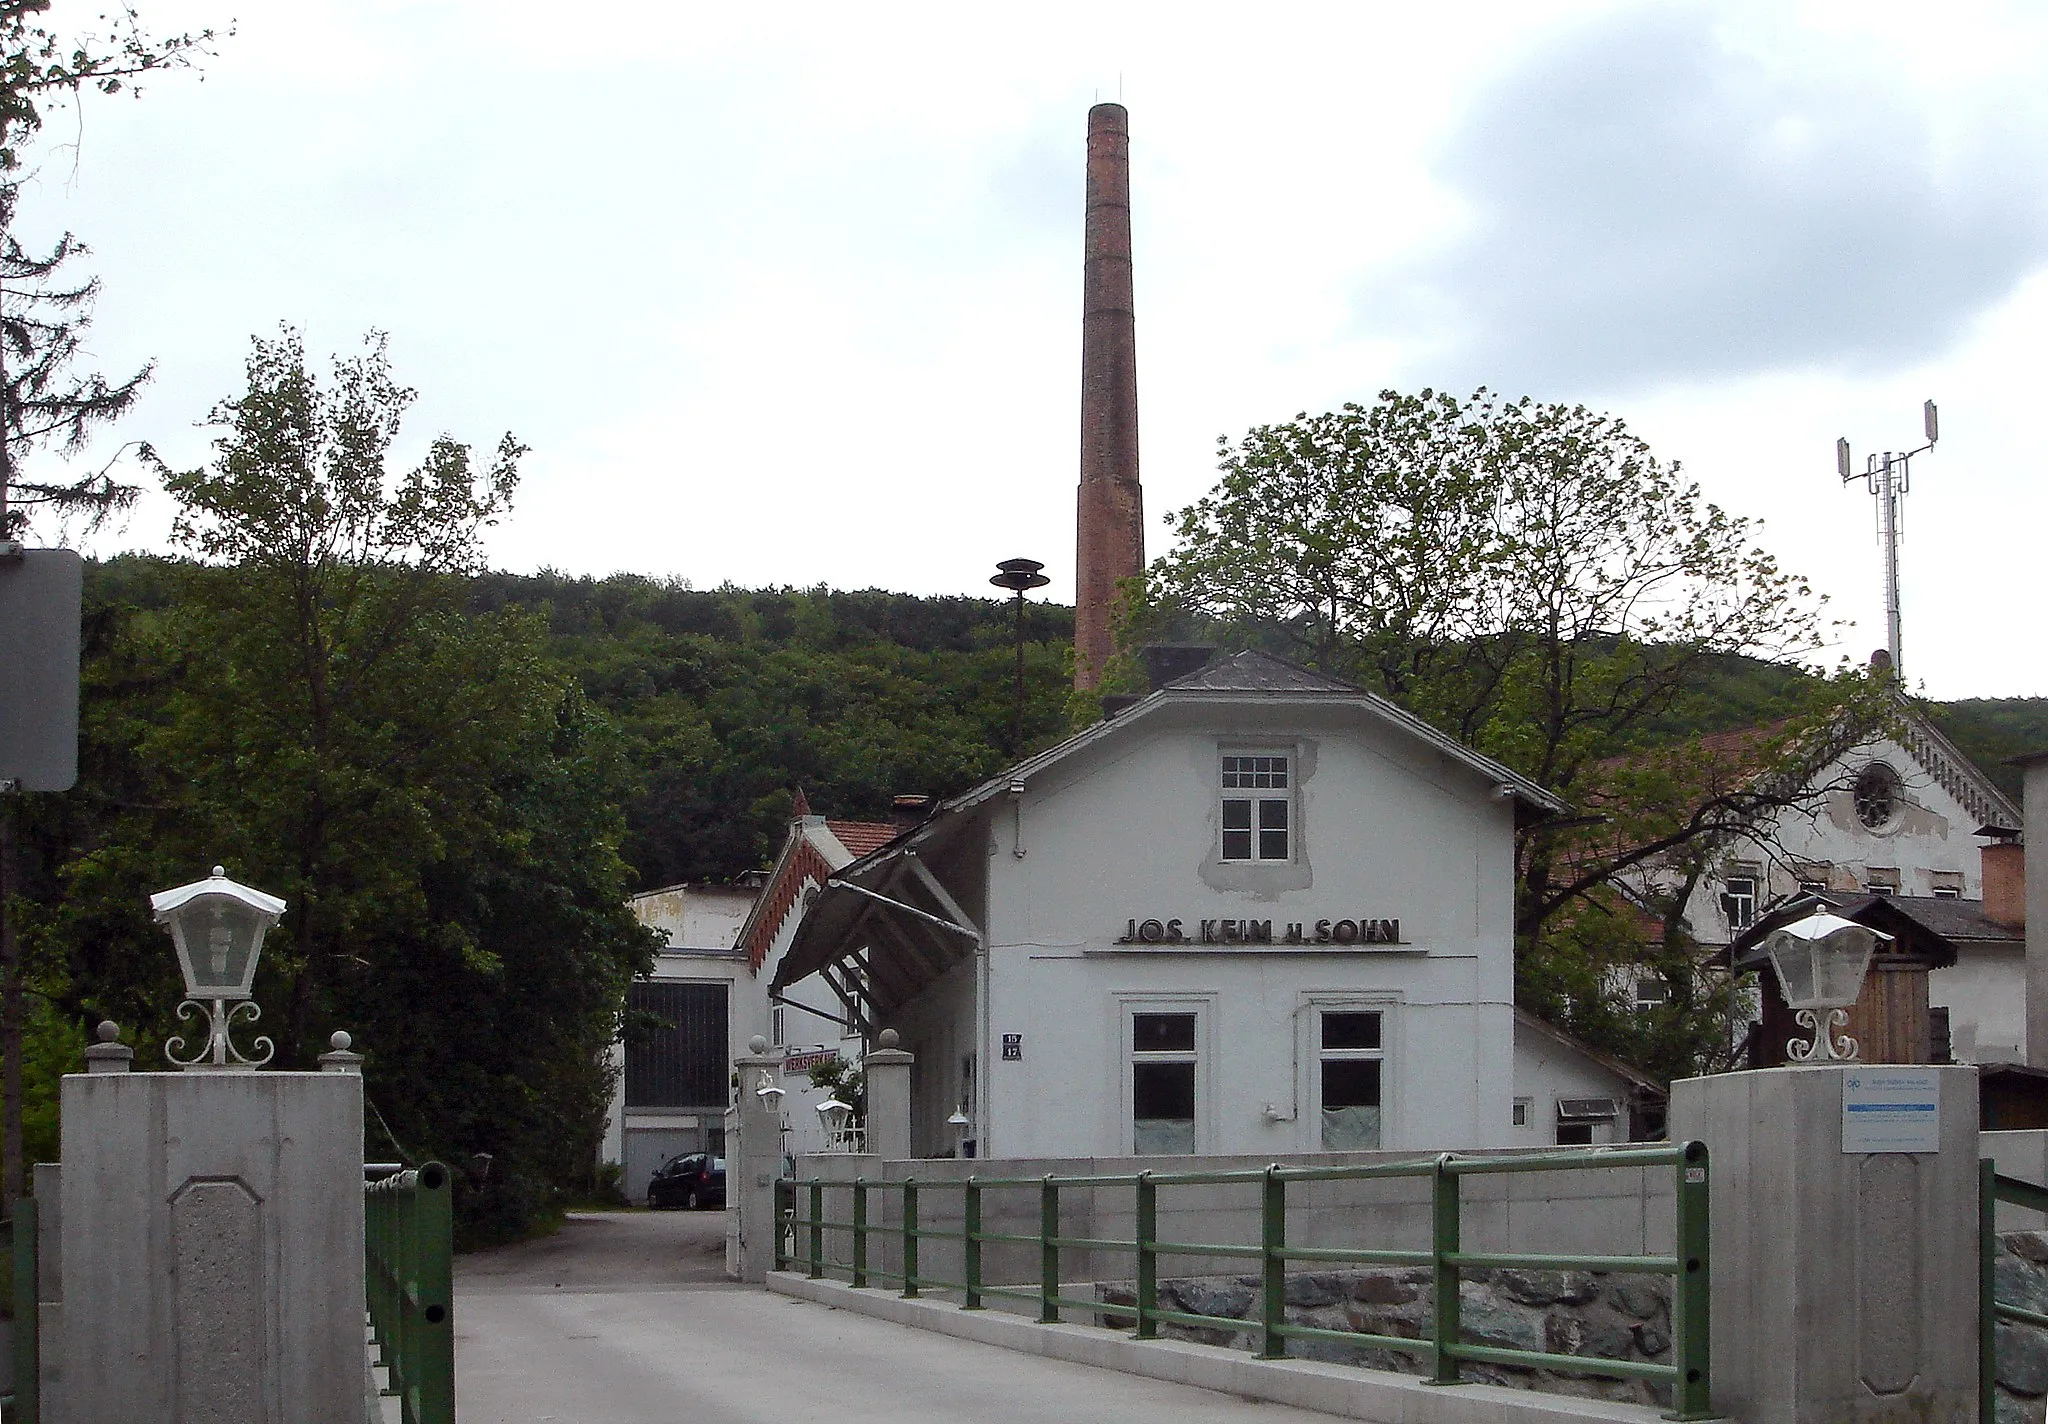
(1533,579)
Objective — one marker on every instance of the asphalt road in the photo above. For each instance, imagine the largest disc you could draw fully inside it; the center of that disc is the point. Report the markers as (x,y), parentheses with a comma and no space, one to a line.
(626,1318)
(605,1251)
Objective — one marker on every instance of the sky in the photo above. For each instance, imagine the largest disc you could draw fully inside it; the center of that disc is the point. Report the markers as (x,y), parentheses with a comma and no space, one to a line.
(790,295)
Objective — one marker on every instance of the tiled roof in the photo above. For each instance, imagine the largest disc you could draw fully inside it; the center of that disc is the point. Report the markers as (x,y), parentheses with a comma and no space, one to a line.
(1952,919)
(1254,671)
(860,837)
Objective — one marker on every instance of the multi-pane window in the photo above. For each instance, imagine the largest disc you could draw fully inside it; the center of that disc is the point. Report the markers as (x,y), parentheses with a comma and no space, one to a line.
(1738,898)
(1349,1061)
(1258,805)
(1163,1082)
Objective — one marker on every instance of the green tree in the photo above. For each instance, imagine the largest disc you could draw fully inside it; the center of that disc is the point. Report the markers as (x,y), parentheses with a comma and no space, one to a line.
(1534,580)
(439,806)
(43,318)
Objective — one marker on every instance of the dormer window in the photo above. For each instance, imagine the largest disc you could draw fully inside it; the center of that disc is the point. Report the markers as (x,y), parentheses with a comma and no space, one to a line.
(1258,807)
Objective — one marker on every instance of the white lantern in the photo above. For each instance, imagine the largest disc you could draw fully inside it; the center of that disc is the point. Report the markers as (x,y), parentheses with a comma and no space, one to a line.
(218,928)
(1820,962)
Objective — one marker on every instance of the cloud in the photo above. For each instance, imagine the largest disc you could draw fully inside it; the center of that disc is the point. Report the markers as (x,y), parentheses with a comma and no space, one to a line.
(1650,205)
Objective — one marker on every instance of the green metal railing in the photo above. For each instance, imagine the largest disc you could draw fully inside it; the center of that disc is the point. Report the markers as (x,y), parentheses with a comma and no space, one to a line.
(1991,1190)
(1445,1349)
(408,1238)
(24,1403)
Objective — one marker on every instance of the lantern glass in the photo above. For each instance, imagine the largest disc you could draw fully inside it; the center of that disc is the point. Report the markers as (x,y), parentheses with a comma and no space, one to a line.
(1821,960)
(218,938)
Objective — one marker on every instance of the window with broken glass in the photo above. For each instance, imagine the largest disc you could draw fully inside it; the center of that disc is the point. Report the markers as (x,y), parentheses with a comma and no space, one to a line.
(1350,1063)
(1163,1066)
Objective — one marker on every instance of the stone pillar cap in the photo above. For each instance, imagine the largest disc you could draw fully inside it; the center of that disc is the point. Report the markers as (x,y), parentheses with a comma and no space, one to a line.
(340,1059)
(109,1055)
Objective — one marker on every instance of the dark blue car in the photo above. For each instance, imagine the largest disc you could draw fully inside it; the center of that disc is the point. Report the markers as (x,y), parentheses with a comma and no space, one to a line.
(691,1181)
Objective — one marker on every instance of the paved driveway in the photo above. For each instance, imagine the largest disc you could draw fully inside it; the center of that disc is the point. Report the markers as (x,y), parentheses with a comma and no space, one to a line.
(626,1319)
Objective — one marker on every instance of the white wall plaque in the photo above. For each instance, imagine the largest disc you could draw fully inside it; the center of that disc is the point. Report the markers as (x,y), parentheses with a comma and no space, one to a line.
(1890,1109)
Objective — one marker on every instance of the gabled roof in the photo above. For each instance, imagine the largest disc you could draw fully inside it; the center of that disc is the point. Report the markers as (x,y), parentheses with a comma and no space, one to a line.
(1256,676)
(813,850)
(1252,671)
(1549,1030)
(1920,925)
(1243,677)
(860,837)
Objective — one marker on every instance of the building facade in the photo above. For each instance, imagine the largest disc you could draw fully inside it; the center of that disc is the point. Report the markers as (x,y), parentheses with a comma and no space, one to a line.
(1902,815)
(1259,911)
(686,1022)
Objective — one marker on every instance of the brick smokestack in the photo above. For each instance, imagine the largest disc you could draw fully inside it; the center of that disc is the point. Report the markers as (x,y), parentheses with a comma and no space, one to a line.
(1111,543)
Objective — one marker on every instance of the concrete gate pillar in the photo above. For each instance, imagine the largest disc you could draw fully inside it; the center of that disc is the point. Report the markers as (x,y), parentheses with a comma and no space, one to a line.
(210,1246)
(1844,1282)
(888,1077)
(753,1164)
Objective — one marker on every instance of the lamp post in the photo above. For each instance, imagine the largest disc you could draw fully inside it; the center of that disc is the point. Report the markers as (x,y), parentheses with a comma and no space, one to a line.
(218,928)
(1017,575)
(840,1133)
(1820,962)
(960,1122)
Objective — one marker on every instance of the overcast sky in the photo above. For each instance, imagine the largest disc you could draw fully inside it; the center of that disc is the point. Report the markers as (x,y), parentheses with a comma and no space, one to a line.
(790,294)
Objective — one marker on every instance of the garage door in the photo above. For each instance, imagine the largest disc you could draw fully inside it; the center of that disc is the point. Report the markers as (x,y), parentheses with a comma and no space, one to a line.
(649,1147)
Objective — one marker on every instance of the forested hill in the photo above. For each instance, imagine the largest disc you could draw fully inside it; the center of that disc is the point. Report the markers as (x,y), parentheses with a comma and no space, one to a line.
(729,699)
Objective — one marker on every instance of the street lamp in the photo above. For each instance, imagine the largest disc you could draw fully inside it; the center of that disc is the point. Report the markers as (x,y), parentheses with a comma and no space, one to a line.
(218,928)
(840,1133)
(1017,575)
(960,1122)
(1820,962)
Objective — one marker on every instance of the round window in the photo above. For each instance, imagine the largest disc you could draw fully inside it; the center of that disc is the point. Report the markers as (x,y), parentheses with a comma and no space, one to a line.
(1877,796)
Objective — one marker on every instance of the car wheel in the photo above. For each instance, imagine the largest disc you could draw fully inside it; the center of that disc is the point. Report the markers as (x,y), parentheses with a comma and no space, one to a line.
(690,1202)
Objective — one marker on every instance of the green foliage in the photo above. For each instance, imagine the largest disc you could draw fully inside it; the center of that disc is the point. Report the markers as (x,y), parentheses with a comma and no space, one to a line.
(730,700)
(848,1082)
(312,705)
(1993,730)
(1533,580)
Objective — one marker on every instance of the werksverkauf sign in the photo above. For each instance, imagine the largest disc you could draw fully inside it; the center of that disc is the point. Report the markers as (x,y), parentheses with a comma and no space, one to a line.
(1316,933)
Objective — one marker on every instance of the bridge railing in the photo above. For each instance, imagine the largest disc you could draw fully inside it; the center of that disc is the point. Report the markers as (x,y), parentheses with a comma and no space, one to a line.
(408,1233)
(803,1227)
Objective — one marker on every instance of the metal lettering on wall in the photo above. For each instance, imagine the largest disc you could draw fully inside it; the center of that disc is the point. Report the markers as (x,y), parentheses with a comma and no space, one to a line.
(1320,932)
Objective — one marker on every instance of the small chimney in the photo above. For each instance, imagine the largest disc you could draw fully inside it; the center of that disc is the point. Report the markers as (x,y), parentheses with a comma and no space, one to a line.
(2004,862)
(908,810)
(1169,662)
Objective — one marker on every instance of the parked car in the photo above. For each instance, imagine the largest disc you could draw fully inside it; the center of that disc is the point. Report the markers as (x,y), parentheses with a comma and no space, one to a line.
(693,1180)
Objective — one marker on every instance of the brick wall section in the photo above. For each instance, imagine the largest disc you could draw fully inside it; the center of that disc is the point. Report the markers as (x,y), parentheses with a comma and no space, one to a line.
(2005,885)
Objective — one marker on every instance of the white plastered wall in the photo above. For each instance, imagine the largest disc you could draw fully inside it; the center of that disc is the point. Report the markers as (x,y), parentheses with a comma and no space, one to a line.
(1387,827)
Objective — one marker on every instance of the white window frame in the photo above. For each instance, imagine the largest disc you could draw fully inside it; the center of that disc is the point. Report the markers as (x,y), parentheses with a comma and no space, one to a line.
(1258,799)
(1310,1006)
(1731,897)
(1128,1007)
(1320,1055)
(1520,1115)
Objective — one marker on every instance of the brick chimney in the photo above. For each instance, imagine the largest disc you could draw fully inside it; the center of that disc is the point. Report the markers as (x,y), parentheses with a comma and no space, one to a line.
(907,810)
(2005,882)
(1111,512)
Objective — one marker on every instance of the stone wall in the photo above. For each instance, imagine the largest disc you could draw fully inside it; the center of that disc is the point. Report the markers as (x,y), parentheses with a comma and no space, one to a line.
(2021,1278)
(1607,1316)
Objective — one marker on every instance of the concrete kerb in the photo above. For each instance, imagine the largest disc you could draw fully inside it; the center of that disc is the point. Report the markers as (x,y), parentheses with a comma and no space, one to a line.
(1342,1390)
